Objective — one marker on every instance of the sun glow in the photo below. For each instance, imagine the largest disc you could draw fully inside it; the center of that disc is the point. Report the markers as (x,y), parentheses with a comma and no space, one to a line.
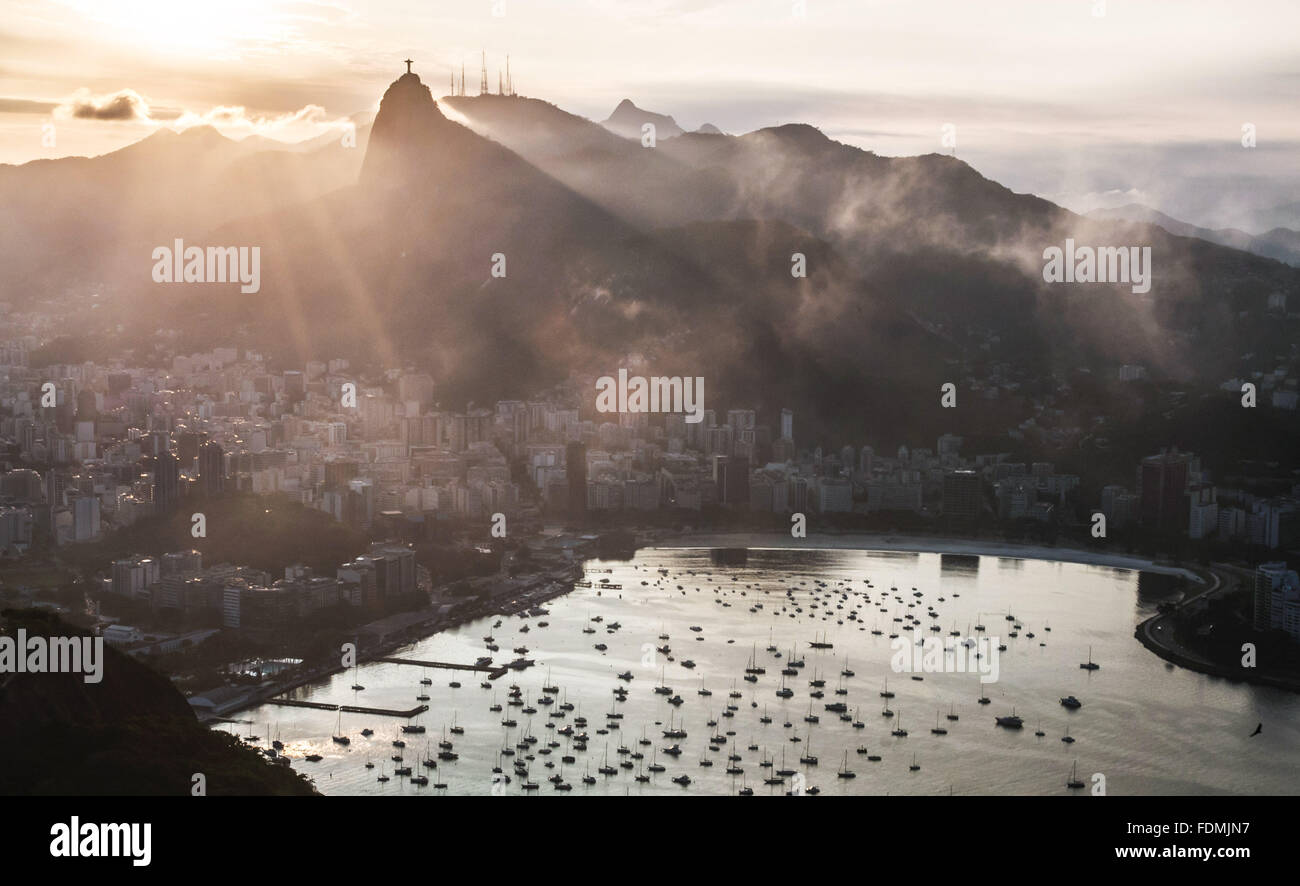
(227,29)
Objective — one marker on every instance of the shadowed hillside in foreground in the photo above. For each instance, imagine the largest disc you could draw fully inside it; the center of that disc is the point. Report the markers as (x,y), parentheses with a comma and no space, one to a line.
(131,734)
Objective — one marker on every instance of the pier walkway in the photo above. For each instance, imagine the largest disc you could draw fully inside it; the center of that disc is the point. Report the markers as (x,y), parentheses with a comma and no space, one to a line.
(349,708)
(493,671)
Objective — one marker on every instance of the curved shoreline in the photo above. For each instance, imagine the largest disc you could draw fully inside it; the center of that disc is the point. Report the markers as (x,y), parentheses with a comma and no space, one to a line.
(863,541)
(919,544)
(1146,634)
(1201,666)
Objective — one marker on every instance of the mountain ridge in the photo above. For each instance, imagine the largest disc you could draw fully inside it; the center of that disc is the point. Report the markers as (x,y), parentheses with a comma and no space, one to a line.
(1282,244)
(627,120)
(680,253)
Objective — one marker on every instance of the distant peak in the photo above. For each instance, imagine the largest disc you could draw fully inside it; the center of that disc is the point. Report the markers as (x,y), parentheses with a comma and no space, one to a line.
(628,119)
(407,83)
(202,132)
(204,136)
(794,133)
(407,124)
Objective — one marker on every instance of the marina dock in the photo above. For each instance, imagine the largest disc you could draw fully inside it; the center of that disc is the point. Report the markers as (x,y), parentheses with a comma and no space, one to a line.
(493,671)
(348,708)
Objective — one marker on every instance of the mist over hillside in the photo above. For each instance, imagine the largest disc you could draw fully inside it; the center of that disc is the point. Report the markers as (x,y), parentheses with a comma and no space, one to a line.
(679,255)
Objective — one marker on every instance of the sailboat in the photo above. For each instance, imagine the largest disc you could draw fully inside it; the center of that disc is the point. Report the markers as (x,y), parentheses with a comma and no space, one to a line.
(673,731)
(915,765)
(605,768)
(808,758)
(938,730)
(338,737)
(1073,782)
(356,683)
(1089,665)
(845,771)
(952,712)
(732,760)
(783,772)
(1011,721)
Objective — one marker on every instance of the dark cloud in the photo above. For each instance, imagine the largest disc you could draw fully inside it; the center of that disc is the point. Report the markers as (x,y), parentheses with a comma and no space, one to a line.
(125,104)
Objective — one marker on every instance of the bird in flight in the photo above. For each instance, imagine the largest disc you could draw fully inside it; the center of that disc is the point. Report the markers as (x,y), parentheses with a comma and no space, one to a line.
(1258,730)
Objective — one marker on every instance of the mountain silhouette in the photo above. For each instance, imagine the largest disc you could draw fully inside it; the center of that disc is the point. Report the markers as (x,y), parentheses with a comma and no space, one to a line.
(628,120)
(680,255)
(1282,244)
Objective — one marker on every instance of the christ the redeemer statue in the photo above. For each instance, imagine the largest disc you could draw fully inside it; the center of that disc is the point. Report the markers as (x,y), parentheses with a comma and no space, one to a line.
(408,65)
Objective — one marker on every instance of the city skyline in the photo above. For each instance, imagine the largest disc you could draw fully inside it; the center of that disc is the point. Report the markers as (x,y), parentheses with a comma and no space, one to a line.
(678,398)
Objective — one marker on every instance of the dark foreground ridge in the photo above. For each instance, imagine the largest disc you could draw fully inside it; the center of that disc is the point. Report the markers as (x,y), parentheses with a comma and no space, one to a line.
(131,734)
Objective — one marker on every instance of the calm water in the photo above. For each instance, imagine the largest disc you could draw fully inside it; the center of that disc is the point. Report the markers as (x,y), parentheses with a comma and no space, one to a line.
(1147,727)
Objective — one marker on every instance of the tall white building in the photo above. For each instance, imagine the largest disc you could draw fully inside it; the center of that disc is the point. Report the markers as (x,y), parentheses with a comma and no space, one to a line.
(1277,599)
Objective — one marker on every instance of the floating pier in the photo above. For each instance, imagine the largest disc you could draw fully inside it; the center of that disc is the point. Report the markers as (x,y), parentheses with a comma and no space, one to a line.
(349,708)
(493,671)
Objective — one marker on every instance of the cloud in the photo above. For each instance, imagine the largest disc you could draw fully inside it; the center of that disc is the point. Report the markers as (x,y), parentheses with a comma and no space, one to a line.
(123,105)
(128,106)
(307,121)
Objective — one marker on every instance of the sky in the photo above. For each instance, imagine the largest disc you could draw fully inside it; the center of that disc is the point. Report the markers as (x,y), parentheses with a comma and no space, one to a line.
(1031,89)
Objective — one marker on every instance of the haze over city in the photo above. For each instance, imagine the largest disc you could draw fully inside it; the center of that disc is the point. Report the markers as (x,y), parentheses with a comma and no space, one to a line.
(654,398)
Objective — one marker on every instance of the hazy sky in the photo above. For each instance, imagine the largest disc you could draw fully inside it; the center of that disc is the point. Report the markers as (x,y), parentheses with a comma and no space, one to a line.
(1017,78)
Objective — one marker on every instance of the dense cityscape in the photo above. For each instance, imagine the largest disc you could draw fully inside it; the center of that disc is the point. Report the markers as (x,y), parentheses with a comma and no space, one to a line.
(110,445)
(866,400)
